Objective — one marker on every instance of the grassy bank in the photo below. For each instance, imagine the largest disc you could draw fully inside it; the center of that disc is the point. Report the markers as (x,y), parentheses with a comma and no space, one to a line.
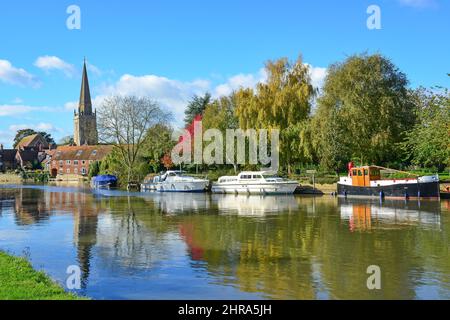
(10,178)
(19,281)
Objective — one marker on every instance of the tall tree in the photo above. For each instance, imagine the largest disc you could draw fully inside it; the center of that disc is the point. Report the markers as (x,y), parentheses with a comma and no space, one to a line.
(427,144)
(124,121)
(157,143)
(196,107)
(281,103)
(364,111)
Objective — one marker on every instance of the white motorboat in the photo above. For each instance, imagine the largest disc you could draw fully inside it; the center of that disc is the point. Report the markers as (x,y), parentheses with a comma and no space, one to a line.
(175,181)
(254,182)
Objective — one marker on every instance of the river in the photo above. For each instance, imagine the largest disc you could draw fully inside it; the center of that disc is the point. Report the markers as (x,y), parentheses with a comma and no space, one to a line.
(203,246)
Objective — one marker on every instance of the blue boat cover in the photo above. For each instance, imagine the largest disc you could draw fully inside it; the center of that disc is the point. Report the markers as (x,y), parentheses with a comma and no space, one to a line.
(105,179)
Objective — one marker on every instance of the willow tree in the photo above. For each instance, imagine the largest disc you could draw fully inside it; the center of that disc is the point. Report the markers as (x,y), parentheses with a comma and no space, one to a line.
(124,122)
(364,111)
(283,102)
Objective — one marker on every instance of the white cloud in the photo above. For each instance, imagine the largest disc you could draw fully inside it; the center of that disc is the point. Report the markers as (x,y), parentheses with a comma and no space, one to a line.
(16,110)
(240,81)
(94,70)
(70,106)
(41,126)
(16,76)
(173,95)
(317,75)
(48,63)
(418,3)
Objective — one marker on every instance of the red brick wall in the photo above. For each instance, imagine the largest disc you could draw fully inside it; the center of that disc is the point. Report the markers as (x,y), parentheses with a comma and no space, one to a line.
(71,168)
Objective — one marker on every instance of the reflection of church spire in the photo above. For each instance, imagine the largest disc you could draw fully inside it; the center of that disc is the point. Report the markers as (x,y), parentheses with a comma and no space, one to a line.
(85,238)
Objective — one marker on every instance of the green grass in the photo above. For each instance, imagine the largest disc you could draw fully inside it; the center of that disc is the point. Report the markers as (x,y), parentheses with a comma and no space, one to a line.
(19,281)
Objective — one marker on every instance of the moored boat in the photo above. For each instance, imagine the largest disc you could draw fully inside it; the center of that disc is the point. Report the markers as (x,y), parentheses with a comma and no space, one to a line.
(175,181)
(104,182)
(366,181)
(254,182)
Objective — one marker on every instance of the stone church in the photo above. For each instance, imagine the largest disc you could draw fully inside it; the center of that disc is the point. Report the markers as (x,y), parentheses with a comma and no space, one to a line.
(85,121)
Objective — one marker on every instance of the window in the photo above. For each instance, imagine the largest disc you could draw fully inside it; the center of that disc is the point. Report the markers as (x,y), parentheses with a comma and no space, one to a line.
(256,177)
(90,161)
(54,162)
(355,172)
(366,172)
(75,170)
(83,162)
(61,171)
(75,162)
(61,163)
(68,162)
(359,173)
(94,153)
(79,152)
(83,170)
(68,170)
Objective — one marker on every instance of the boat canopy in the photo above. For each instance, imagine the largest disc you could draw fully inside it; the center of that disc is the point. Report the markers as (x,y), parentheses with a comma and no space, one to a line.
(104,179)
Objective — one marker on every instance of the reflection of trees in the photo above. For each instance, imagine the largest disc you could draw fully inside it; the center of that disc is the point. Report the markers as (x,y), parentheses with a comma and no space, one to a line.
(124,240)
(278,255)
(30,206)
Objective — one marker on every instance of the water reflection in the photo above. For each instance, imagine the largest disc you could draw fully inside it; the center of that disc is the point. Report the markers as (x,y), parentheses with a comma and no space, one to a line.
(226,246)
(368,215)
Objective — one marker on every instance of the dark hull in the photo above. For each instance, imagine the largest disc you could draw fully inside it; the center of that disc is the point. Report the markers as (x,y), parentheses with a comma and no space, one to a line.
(409,190)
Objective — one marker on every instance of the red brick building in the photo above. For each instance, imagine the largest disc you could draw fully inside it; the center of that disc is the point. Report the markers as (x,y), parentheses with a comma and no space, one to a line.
(75,160)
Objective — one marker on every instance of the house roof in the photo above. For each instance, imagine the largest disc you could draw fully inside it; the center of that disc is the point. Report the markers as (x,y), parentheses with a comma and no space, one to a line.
(30,141)
(94,153)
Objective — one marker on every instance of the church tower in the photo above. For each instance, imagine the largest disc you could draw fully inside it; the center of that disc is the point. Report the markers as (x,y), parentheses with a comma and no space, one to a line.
(85,120)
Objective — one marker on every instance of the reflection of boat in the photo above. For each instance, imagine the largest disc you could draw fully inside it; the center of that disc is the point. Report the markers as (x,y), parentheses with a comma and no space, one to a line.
(367,215)
(178,203)
(254,205)
(104,182)
(367,182)
(175,181)
(254,182)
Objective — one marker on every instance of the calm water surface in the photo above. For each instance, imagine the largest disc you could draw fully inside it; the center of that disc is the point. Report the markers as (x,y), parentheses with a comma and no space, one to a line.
(201,246)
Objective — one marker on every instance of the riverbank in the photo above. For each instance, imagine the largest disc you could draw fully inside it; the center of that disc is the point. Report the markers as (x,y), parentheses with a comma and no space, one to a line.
(10,178)
(19,281)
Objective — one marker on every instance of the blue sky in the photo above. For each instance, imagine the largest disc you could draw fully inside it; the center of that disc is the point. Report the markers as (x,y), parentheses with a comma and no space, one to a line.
(171,50)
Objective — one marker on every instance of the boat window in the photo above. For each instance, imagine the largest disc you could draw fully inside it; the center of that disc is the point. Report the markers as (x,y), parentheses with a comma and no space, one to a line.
(256,176)
(366,172)
(172,174)
(359,173)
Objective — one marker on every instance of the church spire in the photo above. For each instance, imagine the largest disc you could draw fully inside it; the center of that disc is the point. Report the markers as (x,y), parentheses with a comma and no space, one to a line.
(85,105)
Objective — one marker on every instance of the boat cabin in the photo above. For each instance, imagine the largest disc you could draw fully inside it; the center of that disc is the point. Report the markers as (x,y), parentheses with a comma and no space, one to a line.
(361,176)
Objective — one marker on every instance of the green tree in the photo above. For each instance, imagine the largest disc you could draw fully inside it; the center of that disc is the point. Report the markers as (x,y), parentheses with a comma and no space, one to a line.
(196,106)
(157,142)
(283,103)
(364,111)
(428,143)
(67,140)
(94,169)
